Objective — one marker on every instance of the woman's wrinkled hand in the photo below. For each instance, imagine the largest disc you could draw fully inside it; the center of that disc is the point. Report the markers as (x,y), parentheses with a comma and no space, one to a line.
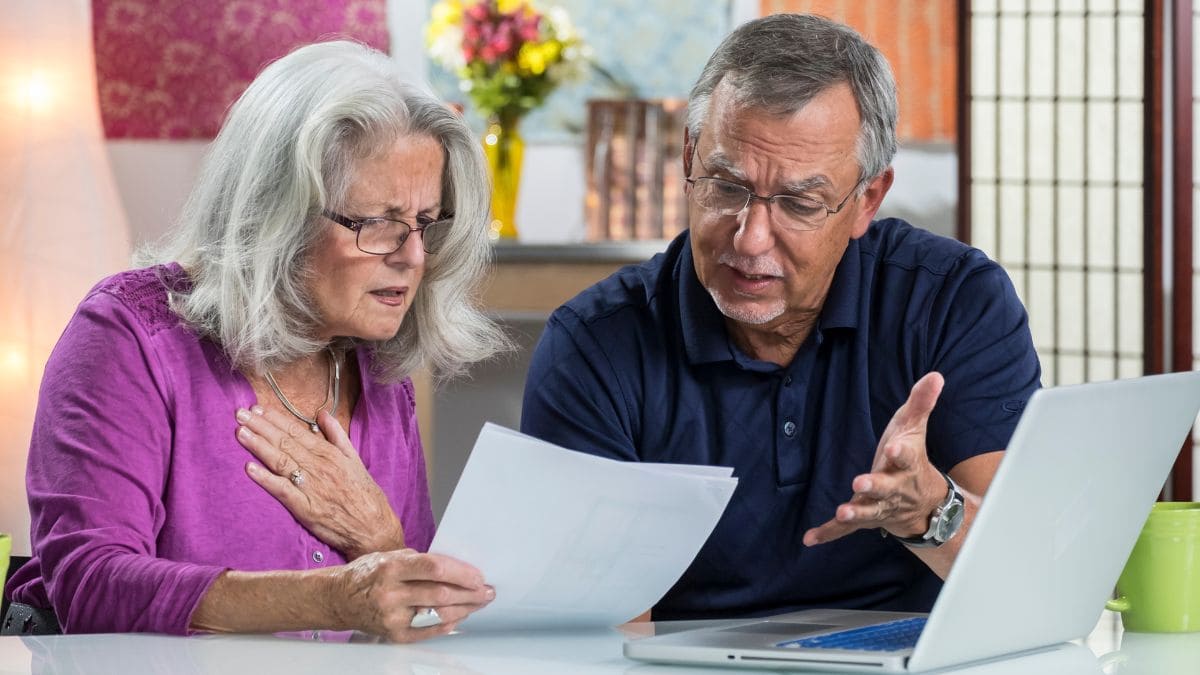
(380,593)
(321,480)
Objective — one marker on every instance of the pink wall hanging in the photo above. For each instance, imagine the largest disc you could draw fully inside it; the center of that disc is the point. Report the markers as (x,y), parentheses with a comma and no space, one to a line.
(169,69)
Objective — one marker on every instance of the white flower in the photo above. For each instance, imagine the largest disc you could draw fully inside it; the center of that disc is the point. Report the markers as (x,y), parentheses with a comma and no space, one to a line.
(447,48)
(560,24)
(574,64)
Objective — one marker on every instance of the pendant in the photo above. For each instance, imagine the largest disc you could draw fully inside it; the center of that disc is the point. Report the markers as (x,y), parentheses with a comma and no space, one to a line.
(315,429)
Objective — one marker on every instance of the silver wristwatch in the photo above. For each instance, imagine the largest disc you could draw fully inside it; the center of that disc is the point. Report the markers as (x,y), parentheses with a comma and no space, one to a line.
(947,518)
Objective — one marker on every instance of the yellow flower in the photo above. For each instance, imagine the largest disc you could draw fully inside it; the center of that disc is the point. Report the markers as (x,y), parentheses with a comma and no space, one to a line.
(508,6)
(535,57)
(443,15)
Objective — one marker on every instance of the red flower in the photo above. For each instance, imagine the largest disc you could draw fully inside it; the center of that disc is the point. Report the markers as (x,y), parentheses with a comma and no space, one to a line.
(493,37)
(528,29)
(478,12)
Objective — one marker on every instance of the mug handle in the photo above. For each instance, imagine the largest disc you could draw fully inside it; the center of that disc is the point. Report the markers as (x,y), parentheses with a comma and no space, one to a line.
(1120,604)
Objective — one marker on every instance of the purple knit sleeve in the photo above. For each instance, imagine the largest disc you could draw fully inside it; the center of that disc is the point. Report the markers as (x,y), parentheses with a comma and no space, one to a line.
(97,472)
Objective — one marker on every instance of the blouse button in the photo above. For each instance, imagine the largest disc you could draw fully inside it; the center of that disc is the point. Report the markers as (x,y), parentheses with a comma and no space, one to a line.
(318,556)
(789,428)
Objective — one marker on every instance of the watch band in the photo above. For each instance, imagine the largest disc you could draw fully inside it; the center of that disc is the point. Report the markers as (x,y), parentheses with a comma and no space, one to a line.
(944,523)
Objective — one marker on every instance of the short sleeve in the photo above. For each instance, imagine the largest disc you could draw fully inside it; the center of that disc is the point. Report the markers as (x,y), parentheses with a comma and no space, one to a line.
(981,343)
(572,395)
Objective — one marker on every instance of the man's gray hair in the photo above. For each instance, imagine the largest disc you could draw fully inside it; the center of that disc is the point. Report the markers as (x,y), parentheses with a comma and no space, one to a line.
(287,151)
(780,62)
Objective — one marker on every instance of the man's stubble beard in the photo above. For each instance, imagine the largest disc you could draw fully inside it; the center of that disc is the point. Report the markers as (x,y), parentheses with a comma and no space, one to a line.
(749,315)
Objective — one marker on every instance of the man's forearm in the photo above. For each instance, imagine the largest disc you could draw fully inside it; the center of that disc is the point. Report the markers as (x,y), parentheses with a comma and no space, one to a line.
(973,477)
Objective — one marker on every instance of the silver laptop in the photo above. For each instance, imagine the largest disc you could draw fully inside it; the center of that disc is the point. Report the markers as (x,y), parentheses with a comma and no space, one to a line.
(1084,466)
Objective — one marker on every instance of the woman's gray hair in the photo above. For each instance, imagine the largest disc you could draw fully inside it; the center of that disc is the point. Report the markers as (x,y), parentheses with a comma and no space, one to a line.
(780,62)
(287,151)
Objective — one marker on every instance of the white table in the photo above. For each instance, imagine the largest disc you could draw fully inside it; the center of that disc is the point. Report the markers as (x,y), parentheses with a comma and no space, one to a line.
(1107,650)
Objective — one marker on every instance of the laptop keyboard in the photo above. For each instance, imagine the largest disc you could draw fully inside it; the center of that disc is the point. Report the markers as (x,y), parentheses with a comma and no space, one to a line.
(882,637)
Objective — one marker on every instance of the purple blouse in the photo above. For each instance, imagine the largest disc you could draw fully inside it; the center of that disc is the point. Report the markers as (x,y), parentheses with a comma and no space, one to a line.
(137,485)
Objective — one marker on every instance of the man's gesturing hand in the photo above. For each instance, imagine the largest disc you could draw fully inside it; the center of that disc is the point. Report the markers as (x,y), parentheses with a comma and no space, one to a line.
(903,488)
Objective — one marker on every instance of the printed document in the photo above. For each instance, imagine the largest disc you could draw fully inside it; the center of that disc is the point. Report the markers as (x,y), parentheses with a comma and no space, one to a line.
(570,540)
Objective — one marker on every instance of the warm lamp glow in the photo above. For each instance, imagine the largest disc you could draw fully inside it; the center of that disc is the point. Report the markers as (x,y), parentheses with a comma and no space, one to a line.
(36,93)
(52,162)
(14,362)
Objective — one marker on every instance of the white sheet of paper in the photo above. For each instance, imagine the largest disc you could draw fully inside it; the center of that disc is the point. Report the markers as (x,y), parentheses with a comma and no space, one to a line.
(571,540)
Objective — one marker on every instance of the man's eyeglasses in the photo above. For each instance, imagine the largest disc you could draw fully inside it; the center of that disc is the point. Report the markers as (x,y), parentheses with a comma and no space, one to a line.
(381,236)
(729,199)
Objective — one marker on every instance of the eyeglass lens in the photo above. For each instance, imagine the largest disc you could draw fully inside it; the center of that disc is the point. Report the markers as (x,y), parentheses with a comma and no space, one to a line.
(729,199)
(381,236)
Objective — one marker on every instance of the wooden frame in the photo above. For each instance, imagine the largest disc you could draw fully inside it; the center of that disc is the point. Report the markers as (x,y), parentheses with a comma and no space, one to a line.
(1183,328)
(1158,357)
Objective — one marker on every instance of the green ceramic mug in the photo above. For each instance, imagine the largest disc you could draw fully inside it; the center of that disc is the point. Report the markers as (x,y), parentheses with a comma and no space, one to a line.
(1159,590)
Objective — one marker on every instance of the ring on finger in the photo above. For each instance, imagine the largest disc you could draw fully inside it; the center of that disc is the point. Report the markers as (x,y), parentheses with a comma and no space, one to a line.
(425,618)
(297,478)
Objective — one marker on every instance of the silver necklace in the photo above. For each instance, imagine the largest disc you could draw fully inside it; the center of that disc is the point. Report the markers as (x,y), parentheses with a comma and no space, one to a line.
(334,385)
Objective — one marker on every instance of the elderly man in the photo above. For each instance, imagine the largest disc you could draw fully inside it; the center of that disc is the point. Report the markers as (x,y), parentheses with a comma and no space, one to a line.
(787,335)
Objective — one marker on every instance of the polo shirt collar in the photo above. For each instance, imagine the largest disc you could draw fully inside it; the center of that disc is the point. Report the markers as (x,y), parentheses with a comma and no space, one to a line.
(704,334)
(842,303)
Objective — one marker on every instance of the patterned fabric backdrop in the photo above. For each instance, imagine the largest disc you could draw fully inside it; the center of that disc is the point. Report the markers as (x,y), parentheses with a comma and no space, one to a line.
(171,68)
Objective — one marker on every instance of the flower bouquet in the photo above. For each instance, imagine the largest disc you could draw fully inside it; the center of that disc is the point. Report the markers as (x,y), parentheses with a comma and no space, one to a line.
(509,55)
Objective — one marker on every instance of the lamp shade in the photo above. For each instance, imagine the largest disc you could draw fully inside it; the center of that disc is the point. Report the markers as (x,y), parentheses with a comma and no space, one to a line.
(62,227)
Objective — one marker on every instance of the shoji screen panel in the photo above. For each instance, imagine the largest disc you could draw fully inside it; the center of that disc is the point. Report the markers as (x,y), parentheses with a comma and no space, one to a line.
(1056,173)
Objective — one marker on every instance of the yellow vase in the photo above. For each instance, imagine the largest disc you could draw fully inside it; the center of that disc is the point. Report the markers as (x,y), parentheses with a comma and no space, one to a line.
(504,149)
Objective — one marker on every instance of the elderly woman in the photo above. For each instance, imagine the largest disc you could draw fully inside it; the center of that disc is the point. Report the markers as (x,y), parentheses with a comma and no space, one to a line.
(226,440)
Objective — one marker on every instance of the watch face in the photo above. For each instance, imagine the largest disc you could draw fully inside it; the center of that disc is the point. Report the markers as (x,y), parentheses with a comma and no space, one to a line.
(949,521)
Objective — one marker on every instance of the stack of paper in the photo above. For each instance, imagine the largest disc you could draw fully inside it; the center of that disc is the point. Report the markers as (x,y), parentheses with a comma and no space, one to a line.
(571,540)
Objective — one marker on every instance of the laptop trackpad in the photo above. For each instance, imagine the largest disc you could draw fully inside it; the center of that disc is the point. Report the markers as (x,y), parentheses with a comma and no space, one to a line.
(779,628)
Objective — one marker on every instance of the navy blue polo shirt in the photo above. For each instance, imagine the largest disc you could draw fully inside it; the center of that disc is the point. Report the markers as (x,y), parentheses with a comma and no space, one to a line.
(640,367)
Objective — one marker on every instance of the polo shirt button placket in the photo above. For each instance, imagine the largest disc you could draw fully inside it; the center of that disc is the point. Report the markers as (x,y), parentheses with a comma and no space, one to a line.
(789,428)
